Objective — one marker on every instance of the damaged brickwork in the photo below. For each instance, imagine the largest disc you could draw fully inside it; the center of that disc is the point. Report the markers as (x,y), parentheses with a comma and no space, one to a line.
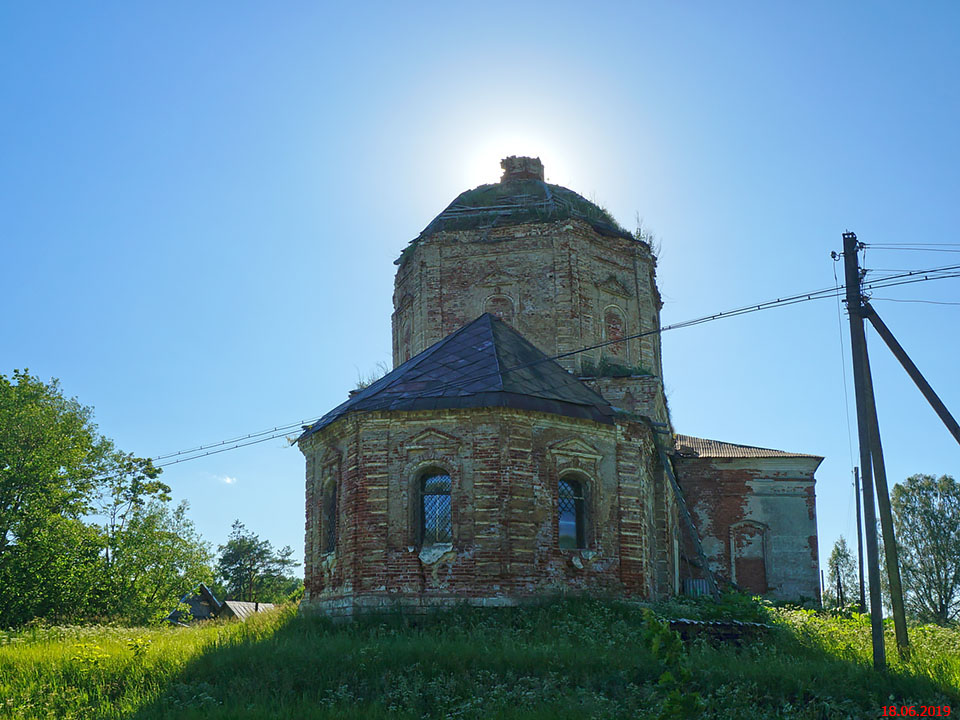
(560,284)
(504,466)
(757,522)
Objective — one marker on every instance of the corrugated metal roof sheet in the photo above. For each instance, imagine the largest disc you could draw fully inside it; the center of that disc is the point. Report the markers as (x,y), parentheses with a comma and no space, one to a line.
(243,609)
(486,363)
(689,446)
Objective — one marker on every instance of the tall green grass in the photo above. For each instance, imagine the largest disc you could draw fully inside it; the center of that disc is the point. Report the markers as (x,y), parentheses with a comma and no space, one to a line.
(564,659)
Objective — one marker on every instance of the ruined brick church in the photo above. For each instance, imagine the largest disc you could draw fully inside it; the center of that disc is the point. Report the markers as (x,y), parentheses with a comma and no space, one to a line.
(499,461)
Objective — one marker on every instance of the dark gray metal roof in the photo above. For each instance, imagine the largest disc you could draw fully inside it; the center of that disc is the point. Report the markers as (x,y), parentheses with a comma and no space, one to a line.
(486,363)
(514,201)
(517,201)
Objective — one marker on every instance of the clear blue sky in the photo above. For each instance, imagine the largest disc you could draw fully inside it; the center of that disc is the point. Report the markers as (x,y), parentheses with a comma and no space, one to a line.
(200,205)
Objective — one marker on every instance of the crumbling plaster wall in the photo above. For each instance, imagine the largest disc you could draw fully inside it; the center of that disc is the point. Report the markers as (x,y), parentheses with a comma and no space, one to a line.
(757,521)
(504,465)
(553,282)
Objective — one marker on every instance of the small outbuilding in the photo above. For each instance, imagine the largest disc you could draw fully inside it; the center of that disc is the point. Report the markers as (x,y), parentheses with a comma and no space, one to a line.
(204,605)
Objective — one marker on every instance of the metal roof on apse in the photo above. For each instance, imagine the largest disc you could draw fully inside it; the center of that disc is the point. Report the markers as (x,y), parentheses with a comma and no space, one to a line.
(690,446)
(486,363)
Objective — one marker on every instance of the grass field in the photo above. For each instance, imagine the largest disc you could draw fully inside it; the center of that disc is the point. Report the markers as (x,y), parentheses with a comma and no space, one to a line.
(564,659)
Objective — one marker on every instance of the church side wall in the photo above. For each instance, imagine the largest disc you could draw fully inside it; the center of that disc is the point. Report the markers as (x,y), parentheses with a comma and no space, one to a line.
(504,467)
(757,522)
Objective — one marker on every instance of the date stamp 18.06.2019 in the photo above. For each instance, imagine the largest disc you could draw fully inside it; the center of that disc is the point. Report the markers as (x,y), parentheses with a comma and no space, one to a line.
(916,710)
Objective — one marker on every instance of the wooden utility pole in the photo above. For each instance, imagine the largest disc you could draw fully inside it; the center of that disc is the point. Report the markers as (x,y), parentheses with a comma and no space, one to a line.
(858,346)
(856,489)
(886,517)
(869,429)
(840,599)
(921,382)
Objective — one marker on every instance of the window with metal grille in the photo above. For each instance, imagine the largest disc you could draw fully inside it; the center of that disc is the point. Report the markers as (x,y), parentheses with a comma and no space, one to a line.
(328,541)
(436,521)
(570,514)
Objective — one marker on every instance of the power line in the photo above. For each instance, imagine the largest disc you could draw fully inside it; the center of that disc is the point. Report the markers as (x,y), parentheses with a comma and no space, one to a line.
(881,245)
(918,249)
(281,430)
(286,426)
(928,302)
(220,450)
(224,446)
(909,273)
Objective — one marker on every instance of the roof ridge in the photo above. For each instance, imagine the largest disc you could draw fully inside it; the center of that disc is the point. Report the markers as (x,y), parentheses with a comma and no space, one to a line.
(485,363)
(496,347)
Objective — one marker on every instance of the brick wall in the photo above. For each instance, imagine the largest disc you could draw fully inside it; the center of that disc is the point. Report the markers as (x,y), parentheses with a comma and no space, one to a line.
(639,394)
(504,465)
(757,522)
(559,284)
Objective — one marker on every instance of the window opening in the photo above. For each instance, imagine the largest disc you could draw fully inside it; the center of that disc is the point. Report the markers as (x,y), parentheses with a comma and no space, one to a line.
(329,519)
(436,521)
(615,332)
(570,514)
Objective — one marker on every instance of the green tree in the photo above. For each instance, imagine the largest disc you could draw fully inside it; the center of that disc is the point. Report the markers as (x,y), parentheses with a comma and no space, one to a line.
(56,473)
(841,564)
(156,557)
(926,518)
(249,568)
(51,460)
(53,570)
(51,456)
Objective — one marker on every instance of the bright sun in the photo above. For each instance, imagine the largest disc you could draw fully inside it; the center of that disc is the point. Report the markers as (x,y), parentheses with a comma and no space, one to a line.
(482,160)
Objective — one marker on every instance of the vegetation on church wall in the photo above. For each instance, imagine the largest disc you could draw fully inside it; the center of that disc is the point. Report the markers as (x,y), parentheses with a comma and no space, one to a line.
(564,659)
(609,368)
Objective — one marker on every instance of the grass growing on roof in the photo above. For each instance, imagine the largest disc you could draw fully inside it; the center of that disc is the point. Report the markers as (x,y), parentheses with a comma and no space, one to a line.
(565,659)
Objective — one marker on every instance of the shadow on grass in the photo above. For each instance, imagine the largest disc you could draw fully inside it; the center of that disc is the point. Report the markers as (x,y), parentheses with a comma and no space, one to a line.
(568,659)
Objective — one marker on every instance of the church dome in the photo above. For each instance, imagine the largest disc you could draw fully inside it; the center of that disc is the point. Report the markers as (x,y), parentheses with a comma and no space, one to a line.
(520,197)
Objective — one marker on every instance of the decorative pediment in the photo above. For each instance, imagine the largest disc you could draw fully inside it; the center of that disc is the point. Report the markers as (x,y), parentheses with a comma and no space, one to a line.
(431,439)
(575,454)
(613,286)
(326,466)
(330,465)
(496,279)
(575,447)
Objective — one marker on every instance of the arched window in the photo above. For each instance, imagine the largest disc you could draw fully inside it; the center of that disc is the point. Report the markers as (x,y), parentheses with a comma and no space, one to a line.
(570,514)
(436,518)
(328,539)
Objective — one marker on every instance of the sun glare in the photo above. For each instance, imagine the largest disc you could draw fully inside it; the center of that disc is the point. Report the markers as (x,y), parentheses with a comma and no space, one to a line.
(482,160)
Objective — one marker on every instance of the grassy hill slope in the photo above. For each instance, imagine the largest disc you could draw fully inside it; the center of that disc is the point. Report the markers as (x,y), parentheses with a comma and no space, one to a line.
(564,659)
